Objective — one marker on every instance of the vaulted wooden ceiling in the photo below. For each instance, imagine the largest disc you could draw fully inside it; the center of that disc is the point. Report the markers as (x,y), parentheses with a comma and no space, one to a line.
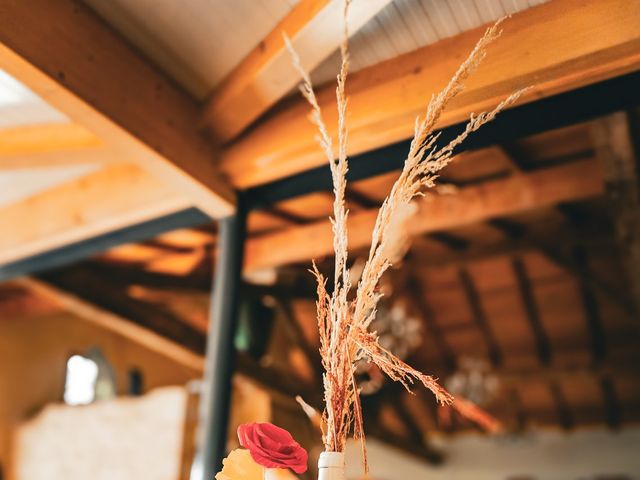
(515,262)
(525,256)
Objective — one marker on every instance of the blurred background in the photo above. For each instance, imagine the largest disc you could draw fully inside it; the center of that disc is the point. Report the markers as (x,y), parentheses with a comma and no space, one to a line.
(516,282)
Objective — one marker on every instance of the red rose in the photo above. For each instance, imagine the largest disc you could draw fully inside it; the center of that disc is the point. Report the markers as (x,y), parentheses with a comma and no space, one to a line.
(272,447)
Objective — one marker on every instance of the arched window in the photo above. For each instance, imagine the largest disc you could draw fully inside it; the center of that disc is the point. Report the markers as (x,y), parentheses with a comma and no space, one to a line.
(89,377)
(80,382)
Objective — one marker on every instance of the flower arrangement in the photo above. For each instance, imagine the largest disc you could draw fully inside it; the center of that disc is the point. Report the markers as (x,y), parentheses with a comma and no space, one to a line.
(344,319)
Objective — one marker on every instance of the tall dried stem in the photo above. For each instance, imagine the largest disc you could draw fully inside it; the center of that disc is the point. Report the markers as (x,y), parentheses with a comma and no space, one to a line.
(343,323)
(334,311)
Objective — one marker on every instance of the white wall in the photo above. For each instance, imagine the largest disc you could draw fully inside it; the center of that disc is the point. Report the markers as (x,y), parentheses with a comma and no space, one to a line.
(542,456)
(127,438)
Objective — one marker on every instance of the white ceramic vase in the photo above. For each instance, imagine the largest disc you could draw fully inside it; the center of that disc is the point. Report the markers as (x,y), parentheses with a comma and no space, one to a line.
(274,474)
(331,466)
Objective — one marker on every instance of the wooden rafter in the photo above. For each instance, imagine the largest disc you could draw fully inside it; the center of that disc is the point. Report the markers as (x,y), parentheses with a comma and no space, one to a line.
(479,316)
(17,301)
(506,196)
(159,331)
(140,333)
(51,159)
(609,397)
(555,47)
(432,327)
(38,139)
(296,335)
(115,298)
(565,417)
(597,334)
(106,200)
(562,236)
(531,310)
(559,373)
(156,329)
(66,54)
(552,247)
(266,73)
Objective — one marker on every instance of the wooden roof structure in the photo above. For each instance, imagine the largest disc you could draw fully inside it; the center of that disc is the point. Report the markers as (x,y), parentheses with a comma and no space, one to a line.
(135,126)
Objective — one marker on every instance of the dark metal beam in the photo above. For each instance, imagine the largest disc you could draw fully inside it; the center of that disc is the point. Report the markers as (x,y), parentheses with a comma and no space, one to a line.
(219,362)
(93,246)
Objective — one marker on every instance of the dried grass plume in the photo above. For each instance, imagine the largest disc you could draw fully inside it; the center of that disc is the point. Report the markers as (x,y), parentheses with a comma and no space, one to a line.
(344,321)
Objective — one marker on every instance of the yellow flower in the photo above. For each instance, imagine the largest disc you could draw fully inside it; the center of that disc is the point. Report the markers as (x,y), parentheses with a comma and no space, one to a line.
(239,466)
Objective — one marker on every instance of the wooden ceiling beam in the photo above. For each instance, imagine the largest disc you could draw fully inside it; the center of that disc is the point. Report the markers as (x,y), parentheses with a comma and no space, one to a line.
(479,315)
(415,289)
(109,199)
(266,74)
(19,302)
(158,331)
(525,288)
(164,334)
(296,336)
(611,402)
(137,331)
(559,373)
(574,181)
(67,55)
(116,298)
(554,47)
(594,322)
(554,247)
(93,156)
(43,139)
(565,417)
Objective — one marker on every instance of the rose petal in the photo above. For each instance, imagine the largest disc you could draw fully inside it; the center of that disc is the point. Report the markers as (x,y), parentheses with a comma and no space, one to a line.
(272,446)
(243,434)
(276,433)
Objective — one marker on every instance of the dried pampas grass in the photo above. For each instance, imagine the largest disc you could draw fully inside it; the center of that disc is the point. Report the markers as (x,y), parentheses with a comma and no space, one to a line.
(343,322)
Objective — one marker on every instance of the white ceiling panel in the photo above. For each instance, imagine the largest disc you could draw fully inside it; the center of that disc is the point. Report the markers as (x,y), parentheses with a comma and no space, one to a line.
(16,185)
(19,106)
(407,25)
(197,42)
